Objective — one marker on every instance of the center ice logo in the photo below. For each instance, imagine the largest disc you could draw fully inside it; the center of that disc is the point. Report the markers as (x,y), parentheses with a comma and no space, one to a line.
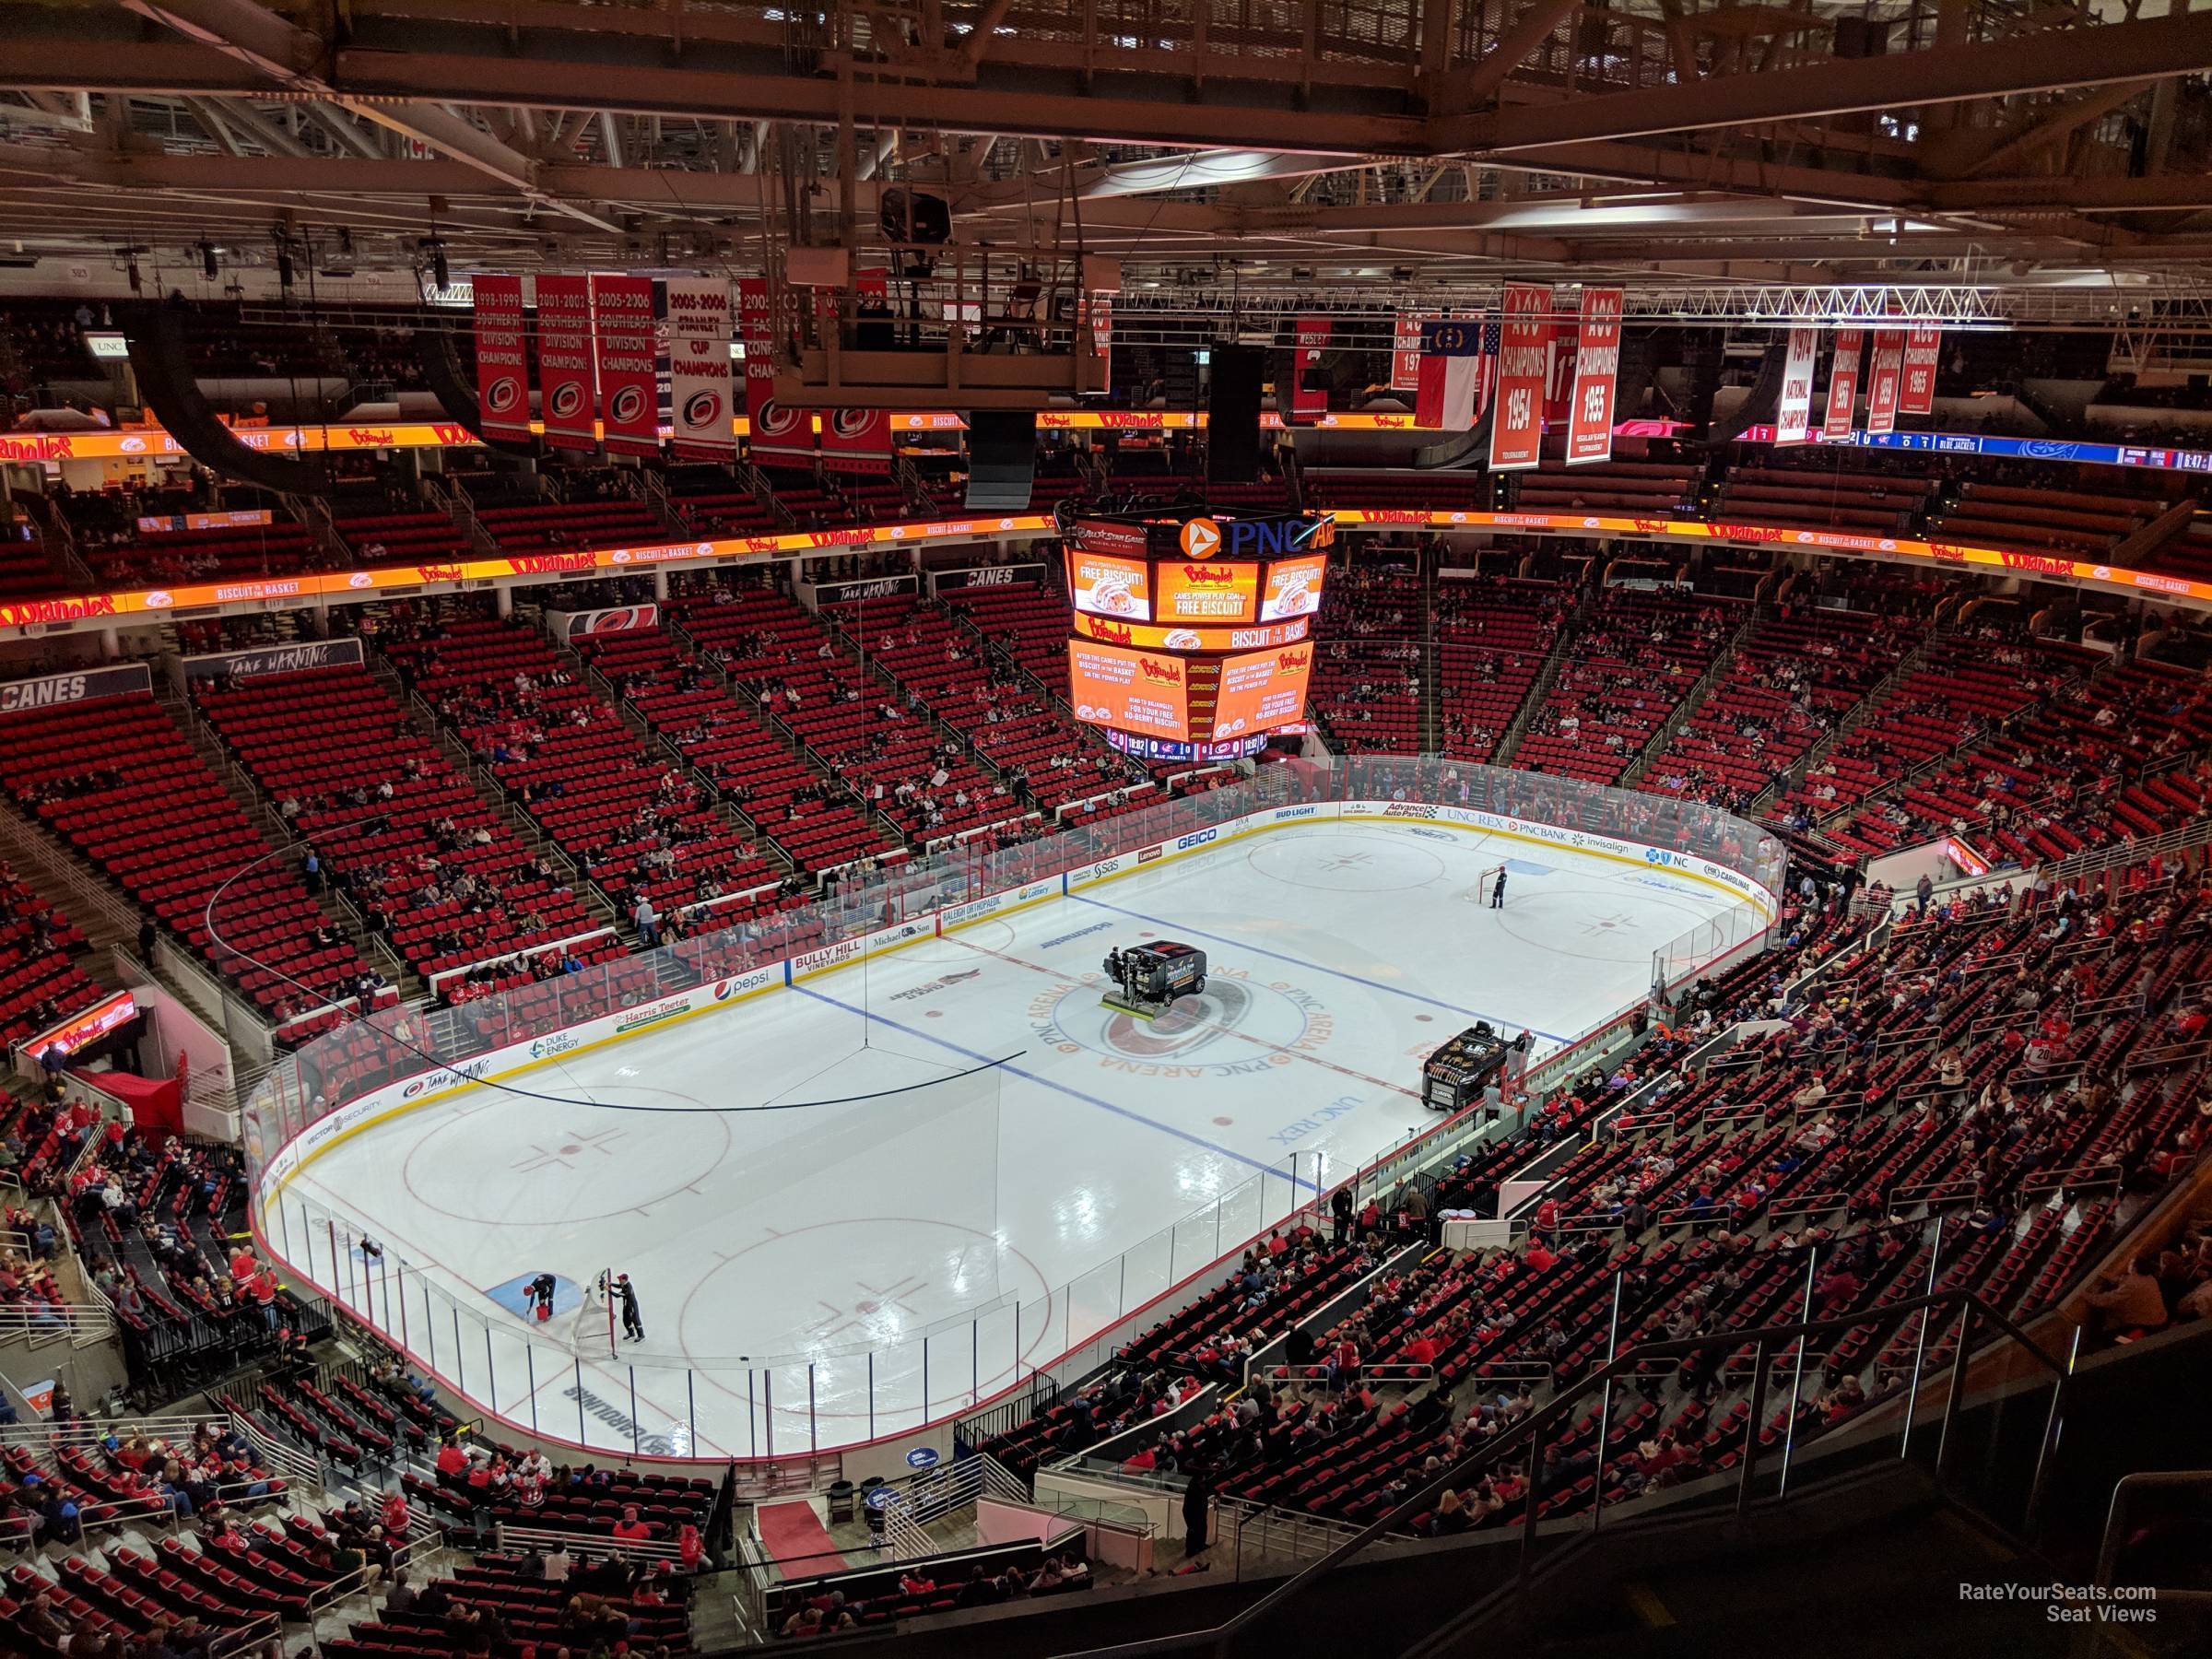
(1240,1027)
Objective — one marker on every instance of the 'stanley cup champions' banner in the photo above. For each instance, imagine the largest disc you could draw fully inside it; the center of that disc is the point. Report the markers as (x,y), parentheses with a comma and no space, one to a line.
(628,364)
(1523,366)
(700,377)
(502,363)
(568,372)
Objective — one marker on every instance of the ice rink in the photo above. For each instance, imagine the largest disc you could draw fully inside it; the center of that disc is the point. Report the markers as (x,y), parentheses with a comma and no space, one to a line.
(843,1238)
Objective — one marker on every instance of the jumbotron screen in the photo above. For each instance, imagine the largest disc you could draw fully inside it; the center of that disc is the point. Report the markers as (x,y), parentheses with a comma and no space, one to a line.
(1190,629)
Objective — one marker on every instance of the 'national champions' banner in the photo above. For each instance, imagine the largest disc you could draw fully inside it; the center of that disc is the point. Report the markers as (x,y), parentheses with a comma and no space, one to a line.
(1884,380)
(1523,365)
(503,360)
(1597,370)
(568,375)
(1794,414)
(628,364)
(1923,356)
(700,377)
(1843,384)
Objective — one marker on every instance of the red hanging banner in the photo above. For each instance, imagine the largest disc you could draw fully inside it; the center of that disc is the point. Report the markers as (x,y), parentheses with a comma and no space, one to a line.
(1884,380)
(1312,340)
(628,364)
(1843,384)
(1597,370)
(502,360)
(1405,350)
(1523,365)
(1923,356)
(755,327)
(568,377)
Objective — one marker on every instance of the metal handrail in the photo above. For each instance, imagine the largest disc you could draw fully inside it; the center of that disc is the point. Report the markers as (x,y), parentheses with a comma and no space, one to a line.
(2115,1531)
(1533,1432)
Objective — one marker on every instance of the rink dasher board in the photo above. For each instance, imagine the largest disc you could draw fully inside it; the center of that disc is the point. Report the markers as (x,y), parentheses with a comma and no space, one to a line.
(444,1082)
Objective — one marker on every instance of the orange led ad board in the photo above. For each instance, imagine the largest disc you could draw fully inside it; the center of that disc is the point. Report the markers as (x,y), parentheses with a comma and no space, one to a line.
(1149,637)
(1208,593)
(1107,586)
(1262,690)
(1293,588)
(1129,691)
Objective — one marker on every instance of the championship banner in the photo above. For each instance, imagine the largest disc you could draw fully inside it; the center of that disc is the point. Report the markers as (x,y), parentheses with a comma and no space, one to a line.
(1102,334)
(1884,380)
(502,363)
(1843,384)
(1923,356)
(1405,350)
(699,368)
(1793,415)
(628,364)
(1313,341)
(568,378)
(1596,371)
(1524,363)
(756,325)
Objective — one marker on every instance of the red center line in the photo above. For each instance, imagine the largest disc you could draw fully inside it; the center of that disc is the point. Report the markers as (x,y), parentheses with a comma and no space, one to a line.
(1272,1047)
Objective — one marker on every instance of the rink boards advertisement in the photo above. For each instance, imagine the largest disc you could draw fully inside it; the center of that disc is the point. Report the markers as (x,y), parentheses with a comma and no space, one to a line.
(651,1014)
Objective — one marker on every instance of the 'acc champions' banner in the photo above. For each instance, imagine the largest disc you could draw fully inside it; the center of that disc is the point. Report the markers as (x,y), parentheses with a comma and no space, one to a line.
(1884,380)
(1597,368)
(568,379)
(503,363)
(1793,415)
(629,401)
(1523,365)
(1843,384)
(699,374)
(1924,354)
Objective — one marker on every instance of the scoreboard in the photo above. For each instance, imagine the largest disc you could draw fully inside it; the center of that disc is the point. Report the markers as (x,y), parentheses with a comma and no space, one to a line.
(1190,632)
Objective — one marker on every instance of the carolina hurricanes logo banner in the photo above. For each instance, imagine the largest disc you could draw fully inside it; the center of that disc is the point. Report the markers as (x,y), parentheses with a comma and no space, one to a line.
(1596,369)
(859,441)
(1523,364)
(568,377)
(1924,353)
(628,364)
(699,378)
(503,360)
(1884,380)
(1843,384)
(1794,414)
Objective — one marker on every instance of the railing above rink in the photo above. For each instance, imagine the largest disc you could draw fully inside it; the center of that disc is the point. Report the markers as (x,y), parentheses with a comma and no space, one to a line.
(651,1403)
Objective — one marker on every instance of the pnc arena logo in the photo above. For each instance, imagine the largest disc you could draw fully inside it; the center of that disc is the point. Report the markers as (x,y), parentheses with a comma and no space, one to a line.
(1201,538)
(567,401)
(503,396)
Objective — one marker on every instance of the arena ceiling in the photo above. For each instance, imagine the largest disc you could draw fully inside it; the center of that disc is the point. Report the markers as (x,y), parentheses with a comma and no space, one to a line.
(2058,155)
